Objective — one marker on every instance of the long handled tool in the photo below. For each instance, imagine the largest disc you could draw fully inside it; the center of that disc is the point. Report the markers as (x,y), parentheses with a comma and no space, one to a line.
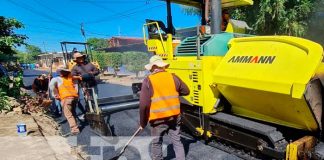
(126,145)
(47,102)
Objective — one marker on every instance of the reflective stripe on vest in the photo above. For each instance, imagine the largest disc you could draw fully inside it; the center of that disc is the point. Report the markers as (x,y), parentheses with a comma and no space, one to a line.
(165,100)
(66,89)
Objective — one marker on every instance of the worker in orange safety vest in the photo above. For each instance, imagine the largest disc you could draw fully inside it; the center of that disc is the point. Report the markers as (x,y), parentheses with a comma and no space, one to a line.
(65,91)
(160,106)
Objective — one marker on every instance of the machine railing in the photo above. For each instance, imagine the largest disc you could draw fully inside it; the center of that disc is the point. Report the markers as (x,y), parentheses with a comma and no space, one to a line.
(158,30)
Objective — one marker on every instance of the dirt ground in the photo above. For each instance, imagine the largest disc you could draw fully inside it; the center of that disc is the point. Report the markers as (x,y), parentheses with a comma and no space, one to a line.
(43,140)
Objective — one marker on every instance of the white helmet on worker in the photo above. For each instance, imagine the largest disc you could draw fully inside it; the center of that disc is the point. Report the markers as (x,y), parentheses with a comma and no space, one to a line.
(157,61)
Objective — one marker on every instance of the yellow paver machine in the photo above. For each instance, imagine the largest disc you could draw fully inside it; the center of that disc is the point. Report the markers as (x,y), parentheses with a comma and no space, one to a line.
(258,97)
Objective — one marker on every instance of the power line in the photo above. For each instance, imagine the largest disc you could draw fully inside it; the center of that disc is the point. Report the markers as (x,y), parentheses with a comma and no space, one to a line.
(107,19)
(118,1)
(54,11)
(117,13)
(32,10)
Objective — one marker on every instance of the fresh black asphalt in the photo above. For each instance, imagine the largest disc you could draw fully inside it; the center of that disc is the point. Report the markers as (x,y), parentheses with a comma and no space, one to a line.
(125,123)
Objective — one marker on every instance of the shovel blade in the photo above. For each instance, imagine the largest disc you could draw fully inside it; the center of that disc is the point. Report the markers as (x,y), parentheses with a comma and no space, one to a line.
(98,124)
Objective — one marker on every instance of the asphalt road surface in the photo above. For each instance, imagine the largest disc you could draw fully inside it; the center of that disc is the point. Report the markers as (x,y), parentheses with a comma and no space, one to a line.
(124,124)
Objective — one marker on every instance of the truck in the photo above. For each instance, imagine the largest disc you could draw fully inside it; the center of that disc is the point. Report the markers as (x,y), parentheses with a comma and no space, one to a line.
(258,97)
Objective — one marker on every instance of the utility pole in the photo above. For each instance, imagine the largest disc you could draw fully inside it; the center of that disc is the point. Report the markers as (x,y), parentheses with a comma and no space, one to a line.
(44,47)
(216,15)
(83,33)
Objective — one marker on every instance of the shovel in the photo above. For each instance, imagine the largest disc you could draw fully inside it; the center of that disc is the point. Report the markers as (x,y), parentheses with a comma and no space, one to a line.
(47,102)
(126,145)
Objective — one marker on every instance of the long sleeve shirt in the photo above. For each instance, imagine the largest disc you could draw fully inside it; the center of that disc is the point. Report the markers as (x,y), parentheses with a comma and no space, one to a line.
(56,81)
(79,70)
(86,68)
(147,92)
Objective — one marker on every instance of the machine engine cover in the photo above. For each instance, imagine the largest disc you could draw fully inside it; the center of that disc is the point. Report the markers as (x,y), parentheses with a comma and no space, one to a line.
(265,78)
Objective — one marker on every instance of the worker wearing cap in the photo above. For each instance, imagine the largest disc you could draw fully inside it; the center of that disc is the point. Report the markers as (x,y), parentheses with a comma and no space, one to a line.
(65,91)
(160,106)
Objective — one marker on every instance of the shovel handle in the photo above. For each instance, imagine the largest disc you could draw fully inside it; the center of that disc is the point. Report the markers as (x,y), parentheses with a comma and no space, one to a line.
(138,130)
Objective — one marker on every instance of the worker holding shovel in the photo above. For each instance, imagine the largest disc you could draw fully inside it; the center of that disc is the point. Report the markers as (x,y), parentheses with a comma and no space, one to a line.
(65,91)
(160,106)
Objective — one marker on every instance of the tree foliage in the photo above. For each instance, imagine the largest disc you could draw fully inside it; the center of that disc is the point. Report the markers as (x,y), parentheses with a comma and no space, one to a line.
(134,61)
(25,58)
(269,17)
(114,60)
(316,29)
(101,58)
(8,38)
(97,43)
(33,52)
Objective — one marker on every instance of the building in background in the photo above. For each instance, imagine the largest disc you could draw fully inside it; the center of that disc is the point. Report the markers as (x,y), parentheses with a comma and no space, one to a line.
(125,44)
(44,60)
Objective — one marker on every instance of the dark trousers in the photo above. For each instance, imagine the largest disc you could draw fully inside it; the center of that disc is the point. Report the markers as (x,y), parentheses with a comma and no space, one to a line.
(172,129)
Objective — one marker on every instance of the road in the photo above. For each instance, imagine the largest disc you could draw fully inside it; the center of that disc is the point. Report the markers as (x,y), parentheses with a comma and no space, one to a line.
(124,124)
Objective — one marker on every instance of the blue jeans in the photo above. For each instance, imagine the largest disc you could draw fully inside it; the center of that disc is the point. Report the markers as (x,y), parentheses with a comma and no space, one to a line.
(56,106)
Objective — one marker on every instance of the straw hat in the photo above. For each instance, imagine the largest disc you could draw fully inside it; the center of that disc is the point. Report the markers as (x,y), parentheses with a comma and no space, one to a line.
(77,55)
(156,60)
(62,68)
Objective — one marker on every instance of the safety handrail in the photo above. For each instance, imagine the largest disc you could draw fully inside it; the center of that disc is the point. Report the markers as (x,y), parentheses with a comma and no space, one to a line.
(159,32)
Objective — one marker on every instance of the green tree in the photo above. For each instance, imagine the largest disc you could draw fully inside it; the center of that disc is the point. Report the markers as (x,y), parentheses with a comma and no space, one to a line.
(97,43)
(114,60)
(316,29)
(34,51)
(25,58)
(8,38)
(134,61)
(101,58)
(269,17)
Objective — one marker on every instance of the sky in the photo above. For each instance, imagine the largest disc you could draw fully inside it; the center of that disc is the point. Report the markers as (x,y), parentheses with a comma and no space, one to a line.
(48,22)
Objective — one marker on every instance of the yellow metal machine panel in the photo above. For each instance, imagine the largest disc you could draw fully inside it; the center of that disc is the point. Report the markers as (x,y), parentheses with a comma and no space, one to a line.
(261,80)
(197,74)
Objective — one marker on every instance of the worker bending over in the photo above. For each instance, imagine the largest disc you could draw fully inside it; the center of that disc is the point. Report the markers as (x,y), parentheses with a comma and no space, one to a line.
(65,91)
(40,86)
(160,106)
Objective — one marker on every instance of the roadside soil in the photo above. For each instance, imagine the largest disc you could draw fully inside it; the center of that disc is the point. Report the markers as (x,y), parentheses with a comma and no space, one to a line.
(43,140)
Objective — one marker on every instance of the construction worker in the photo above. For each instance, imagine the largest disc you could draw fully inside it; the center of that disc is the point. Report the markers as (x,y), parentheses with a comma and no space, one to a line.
(85,72)
(40,86)
(65,91)
(56,103)
(225,19)
(160,106)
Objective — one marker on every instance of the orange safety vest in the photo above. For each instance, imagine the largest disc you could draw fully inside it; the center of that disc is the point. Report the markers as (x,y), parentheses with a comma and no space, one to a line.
(165,100)
(66,89)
